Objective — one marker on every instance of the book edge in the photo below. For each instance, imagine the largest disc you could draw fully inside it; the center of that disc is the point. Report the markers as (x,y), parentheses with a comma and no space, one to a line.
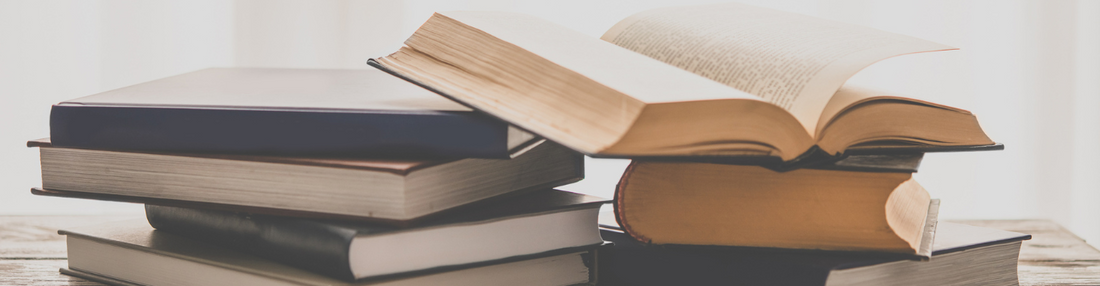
(931,220)
(269,159)
(374,63)
(579,250)
(1019,237)
(413,165)
(155,251)
(213,206)
(556,209)
(94,277)
(69,104)
(524,147)
(422,221)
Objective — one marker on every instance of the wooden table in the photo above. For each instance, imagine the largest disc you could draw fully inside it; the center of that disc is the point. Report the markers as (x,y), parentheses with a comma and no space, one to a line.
(31,251)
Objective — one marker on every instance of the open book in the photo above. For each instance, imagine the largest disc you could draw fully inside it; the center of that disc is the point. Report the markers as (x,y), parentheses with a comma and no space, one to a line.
(713,80)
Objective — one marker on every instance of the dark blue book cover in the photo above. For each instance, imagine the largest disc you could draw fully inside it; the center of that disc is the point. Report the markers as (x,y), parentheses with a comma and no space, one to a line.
(283,112)
(985,252)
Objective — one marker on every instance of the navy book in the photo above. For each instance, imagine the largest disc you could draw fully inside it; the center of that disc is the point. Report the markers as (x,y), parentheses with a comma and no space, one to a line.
(268,111)
(961,255)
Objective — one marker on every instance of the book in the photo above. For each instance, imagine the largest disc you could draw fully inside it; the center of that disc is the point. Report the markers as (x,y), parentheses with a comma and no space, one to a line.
(133,253)
(388,191)
(726,80)
(733,205)
(525,224)
(962,255)
(271,111)
(906,162)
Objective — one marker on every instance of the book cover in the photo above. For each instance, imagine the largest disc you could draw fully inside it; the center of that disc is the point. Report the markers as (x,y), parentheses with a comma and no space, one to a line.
(285,112)
(628,262)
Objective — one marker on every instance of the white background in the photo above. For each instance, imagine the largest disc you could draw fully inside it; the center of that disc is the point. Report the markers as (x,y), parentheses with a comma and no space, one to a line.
(1029,69)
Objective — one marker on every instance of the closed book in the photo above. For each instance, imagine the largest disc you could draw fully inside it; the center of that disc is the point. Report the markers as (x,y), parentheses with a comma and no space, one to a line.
(521,225)
(735,205)
(962,255)
(390,191)
(310,112)
(133,253)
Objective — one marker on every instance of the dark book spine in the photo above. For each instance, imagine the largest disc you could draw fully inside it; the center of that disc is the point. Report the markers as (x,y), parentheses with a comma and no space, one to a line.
(428,134)
(628,262)
(311,246)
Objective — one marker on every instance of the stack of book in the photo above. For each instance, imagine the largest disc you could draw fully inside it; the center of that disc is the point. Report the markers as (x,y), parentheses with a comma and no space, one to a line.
(743,134)
(754,162)
(315,177)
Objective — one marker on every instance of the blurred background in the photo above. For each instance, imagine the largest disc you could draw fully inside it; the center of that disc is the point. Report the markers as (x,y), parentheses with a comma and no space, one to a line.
(1030,70)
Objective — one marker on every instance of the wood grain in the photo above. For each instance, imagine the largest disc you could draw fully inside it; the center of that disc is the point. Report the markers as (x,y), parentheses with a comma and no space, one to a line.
(37,272)
(36,238)
(1050,241)
(1054,256)
(31,251)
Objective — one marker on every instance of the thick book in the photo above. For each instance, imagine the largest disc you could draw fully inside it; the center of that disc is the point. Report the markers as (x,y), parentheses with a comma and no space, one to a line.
(301,112)
(133,253)
(726,80)
(962,255)
(735,205)
(391,191)
(525,224)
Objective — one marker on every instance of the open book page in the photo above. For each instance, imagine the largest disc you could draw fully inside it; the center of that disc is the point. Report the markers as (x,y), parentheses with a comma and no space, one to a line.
(640,77)
(850,95)
(546,78)
(794,61)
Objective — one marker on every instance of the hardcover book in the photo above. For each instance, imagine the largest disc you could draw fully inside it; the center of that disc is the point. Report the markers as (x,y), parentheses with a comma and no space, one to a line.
(733,205)
(522,225)
(389,191)
(301,112)
(726,80)
(133,253)
(962,255)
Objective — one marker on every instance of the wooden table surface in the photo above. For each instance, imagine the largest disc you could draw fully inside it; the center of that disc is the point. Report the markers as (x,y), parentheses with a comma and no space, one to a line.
(31,251)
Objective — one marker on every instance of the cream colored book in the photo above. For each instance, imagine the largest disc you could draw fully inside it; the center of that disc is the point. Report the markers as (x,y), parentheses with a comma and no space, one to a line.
(712,80)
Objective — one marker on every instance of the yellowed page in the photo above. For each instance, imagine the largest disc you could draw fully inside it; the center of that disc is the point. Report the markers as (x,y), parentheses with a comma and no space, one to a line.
(503,52)
(851,95)
(794,61)
(640,77)
(844,97)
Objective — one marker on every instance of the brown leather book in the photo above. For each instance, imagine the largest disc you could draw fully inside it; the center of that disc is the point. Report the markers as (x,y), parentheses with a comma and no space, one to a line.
(734,205)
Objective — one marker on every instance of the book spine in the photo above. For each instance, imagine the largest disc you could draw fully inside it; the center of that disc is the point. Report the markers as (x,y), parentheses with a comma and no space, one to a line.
(617,203)
(307,245)
(427,134)
(628,262)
